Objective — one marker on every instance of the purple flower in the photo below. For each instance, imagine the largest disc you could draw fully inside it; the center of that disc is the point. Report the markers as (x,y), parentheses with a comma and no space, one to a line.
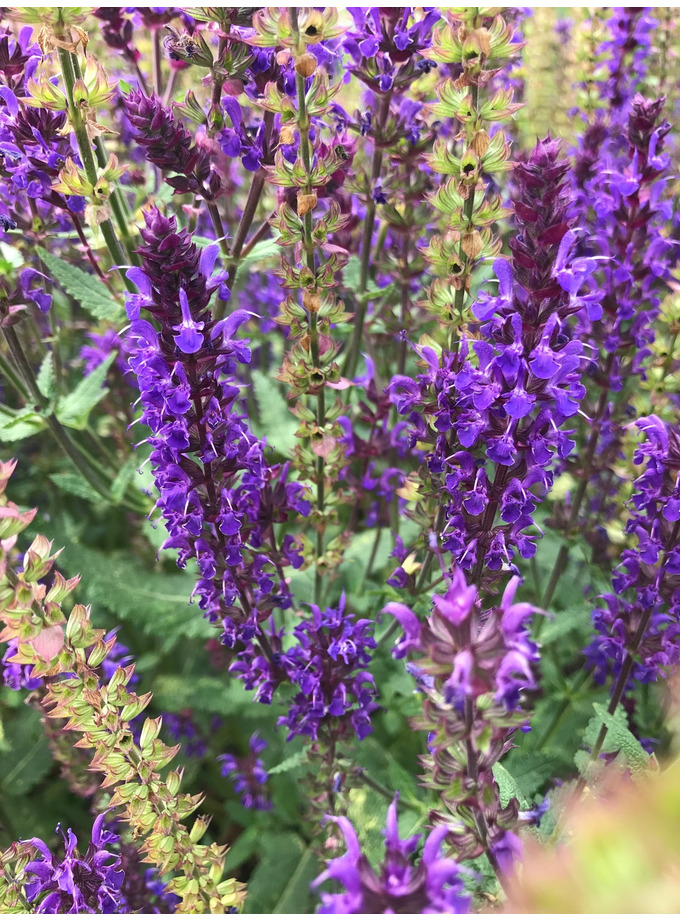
(75,884)
(506,396)
(327,666)
(219,497)
(402,884)
(642,615)
(248,775)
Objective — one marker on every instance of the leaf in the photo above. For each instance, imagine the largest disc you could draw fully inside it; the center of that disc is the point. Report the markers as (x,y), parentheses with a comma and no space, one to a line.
(265,249)
(297,890)
(530,771)
(620,738)
(74,484)
(29,759)
(351,279)
(157,602)
(290,763)
(90,292)
(74,409)
(46,381)
(205,694)
(277,424)
(122,480)
(574,619)
(508,787)
(15,426)
(281,855)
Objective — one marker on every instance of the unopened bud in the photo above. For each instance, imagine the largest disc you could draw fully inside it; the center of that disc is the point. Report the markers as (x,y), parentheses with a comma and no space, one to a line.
(305,65)
(283,57)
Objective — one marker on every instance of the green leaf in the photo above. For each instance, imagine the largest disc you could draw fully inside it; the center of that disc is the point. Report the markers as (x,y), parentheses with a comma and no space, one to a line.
(74,484)
(46,381)
(574,619)
(205,694)
(122,480)
(90,292)
(351,279)
(17,425)
(280,858)
(297,889)
(508,787)
(620,738)
(265,249)
(74,409)
(290,763)
(277,424)
(29,759)
(530,771)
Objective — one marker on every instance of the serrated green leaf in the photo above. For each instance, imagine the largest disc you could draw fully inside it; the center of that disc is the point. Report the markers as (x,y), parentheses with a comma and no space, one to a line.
(74,409)
(276,423)
(620,738)
(574,619)
(91,293)
(351,279)
(74,484)
(155,601)
(508,787)
(290,763)
(46,380)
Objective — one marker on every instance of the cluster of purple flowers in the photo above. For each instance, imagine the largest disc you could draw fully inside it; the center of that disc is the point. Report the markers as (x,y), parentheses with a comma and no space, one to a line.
(77,884)
(169,146)
(642,615)
(218,496)
(326,664)
(504,397)
(473,667)
(249,775)
(433,885)
(384,45)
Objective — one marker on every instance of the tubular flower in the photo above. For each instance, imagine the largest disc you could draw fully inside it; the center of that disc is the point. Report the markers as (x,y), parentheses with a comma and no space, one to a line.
(642,616)
(433,885)
(499,403)
(219,498)
(472,669)
(76,884)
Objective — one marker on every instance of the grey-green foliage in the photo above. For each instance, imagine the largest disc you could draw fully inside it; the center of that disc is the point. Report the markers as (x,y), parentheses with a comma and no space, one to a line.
(90,292)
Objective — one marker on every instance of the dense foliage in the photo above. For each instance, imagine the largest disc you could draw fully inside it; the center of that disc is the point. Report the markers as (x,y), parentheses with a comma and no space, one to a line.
(339,493)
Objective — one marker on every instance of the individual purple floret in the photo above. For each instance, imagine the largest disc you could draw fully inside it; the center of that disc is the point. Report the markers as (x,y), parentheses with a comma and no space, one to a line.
(402,884)
(327,665)
(76,884)
(248,775)
(641,618)
(100,347)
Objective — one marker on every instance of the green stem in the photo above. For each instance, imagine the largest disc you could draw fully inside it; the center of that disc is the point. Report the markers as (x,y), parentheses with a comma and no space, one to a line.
(67,59)
(304,125)
(369,222)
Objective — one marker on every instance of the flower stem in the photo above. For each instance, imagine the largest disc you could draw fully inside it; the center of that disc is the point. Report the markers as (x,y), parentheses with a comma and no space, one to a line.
(369,222)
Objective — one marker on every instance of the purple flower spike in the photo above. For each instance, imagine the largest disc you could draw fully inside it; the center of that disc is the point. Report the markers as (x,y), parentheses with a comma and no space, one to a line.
(402,884)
